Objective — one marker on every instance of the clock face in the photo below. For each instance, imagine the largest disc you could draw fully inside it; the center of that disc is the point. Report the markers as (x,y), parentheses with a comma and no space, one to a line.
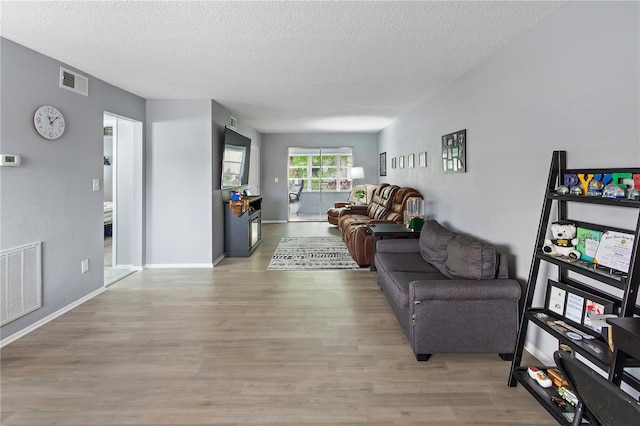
(49,122)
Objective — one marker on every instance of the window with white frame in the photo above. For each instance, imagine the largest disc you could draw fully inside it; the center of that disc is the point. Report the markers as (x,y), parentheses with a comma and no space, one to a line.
(321,169)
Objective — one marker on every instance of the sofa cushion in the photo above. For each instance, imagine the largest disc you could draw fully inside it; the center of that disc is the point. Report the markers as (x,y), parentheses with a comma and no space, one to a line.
(470,259)
(407,262)
(433,243)
(401,280)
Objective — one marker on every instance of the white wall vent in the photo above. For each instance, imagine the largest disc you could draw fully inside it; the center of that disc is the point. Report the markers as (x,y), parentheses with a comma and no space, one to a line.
(233,122)
(73,81)
(20,282)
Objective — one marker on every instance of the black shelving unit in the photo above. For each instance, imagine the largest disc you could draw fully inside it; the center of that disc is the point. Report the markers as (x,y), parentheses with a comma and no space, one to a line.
(596,349)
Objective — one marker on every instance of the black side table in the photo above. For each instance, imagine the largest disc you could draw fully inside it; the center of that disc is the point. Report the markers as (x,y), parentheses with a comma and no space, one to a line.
(381,231)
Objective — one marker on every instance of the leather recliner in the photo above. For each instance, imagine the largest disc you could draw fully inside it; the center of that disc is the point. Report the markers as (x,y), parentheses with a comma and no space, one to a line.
(334,212)
(387,206)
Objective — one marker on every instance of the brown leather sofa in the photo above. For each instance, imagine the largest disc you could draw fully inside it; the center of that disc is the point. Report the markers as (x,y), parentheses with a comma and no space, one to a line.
(334,212)
(387,205)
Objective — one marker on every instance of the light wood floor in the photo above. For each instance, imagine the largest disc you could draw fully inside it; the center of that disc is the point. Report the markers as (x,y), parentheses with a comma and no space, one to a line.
(240,345)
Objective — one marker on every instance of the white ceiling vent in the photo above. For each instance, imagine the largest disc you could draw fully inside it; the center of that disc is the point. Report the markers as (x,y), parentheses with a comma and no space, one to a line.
(233,122)
(73,81)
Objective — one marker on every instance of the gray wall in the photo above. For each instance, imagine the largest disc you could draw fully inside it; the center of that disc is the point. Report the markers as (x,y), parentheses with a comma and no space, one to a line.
(49,198)
(570,83)
(185,216)
(220,118)
(274,164)
(179,184)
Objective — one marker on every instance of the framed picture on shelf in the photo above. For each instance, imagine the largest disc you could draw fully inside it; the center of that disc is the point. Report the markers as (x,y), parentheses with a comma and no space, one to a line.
(614,250)
(454,152)
(401,161)
(422,159)
(577,305)
(411,160)
(383,164)
(394,162)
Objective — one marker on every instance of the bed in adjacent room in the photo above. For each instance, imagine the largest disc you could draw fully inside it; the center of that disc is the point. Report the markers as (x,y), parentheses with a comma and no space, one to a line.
(108,218)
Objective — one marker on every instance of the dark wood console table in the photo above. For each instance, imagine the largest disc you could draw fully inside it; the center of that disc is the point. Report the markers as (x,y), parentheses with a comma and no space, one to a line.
(388,230)
(243,226)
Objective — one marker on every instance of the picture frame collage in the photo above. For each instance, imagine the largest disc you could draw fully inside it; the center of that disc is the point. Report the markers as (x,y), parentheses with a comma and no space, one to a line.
(454,152)
(409,161)
(454,156)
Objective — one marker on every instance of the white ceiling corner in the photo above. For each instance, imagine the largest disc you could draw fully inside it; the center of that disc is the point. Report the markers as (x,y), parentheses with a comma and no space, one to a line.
(280,66)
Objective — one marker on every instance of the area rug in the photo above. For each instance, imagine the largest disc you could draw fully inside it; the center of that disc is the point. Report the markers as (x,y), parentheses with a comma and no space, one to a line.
(311,253)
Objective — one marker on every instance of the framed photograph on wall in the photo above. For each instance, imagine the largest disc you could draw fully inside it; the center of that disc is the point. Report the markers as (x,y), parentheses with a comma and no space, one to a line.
(422,159)
(401,161)
(383,164)
(394,162)
(454,152)
(411,160)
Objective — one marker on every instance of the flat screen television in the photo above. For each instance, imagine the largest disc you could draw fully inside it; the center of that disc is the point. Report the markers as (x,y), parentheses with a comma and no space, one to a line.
(235,159)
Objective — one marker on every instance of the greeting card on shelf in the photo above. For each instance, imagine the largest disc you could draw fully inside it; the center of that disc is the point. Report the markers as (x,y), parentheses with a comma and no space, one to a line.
(588,240)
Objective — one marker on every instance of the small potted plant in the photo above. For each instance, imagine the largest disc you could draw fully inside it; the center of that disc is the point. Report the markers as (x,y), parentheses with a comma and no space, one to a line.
(360,194)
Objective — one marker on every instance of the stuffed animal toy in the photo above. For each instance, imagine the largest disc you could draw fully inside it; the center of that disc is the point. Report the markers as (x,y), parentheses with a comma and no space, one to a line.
(564,240)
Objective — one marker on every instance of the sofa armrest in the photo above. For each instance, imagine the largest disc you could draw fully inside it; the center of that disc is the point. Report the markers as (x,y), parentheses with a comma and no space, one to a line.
(400,245)
(479,316)
(340,204)
(495,289)
(356,209)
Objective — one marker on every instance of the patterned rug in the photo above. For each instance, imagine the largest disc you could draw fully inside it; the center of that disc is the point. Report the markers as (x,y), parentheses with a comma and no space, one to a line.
(311,253)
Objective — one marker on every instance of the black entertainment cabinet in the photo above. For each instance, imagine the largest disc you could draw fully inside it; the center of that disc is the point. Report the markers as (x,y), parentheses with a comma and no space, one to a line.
(242,226)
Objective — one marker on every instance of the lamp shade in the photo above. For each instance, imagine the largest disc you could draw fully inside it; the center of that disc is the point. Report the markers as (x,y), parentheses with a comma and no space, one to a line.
(357,173)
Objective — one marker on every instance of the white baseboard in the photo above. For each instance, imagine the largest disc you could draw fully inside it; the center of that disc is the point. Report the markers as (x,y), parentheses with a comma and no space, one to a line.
(540,356)
(49,318)
(178,265)
(274,221)
(129,267)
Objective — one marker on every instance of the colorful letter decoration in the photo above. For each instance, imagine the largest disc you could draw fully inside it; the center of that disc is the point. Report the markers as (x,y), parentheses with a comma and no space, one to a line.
(617,178)
(570,180)
(585,182)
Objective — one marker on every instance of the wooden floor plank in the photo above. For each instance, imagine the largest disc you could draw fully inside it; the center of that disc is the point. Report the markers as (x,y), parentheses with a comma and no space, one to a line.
(240,345)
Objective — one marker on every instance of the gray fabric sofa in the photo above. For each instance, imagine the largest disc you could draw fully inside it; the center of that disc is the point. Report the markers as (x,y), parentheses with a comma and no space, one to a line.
(449,292)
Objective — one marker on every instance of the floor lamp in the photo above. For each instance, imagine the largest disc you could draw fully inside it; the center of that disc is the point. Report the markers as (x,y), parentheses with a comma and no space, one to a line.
(357,173)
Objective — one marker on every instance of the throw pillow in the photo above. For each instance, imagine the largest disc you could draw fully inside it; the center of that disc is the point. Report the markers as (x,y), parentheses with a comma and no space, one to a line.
(433,243)
(470,259)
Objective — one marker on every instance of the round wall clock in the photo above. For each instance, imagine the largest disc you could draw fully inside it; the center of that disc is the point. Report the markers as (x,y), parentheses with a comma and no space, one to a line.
(49,122)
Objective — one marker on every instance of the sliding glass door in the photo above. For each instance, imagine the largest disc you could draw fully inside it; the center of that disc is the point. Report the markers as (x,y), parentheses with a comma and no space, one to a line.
(317,178)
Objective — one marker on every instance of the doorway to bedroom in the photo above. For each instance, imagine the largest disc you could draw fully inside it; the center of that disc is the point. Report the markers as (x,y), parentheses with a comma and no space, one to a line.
(122,149)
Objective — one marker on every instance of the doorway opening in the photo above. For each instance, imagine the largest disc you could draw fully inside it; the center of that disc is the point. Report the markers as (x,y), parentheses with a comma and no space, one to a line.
(123,165)
(316,179)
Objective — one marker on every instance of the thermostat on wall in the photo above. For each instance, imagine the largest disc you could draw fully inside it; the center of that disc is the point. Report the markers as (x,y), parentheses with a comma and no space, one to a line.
(9,160)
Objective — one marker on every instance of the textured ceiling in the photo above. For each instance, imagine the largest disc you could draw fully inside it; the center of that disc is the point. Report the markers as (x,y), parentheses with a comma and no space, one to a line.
(280,66)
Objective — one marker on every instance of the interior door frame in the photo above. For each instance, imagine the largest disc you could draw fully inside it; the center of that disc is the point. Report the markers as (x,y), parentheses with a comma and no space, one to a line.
(128,192)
